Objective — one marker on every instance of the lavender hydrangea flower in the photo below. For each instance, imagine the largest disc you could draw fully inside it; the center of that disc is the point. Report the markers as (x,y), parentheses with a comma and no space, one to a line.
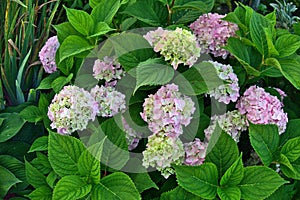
(212,33)
(47,54)
(178,46)
(260,107)
(108,69)
(71,109)
(195,152)
(232,122)
(111,102)
(167,110)
(132,136)
(161,152)
(229,91)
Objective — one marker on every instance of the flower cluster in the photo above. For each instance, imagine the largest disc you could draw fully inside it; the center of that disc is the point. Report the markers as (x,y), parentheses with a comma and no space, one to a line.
(132,136)
(108,69)
(167,110)
(232,122)
(110,101)
(195,152)
(71,109)
(178,46)
(161,152)
(260,107)
(47,54)
(212,33)
(229,91)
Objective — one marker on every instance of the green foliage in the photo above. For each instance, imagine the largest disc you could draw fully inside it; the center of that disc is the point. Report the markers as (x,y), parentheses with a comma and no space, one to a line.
(10,180)
(178,193)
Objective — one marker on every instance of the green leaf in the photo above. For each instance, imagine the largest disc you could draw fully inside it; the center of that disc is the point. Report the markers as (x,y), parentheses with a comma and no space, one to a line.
(287,44)
(291,149)
(234,174)
(60,82)
(64,152)
(64,30)
(72,46)
(8,180)
(10,126)
(246,55)
(199,79)
(115,150)
(51,179)
(115,186)
(41,193)
(229,193)
(71,187)
(80,20)
(149,11)
(151,73)
(100,29)
(292,131)
(32,114)
(265,141)
(42,163)
(291,71)
(143,181)
(287,168)
(17,168)
(40,144)
(66,65)
(284,192)
(178,193)
(259,182)
(34,176)
(193,5)
(200,180)
(89,162)
(105,11)
(224,153)
(46,82)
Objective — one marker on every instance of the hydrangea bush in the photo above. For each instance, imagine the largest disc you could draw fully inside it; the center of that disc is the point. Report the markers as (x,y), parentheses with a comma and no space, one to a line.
(159,100)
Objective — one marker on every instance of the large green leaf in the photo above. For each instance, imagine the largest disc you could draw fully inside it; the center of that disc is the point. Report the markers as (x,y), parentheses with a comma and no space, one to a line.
(71,187)
(17,168)
(115,186)
(89,162)
(142,181)
(152,73)
(60,82)
(64,152)
(80,20)
(32,114)
(234,174)
(224,153)
(292,131)
(199,79)
(287,44)
(34,176)
(178,193)
(229,193)
(105,11)
(288,169)
(11,125)
(8,179)
(291,71)
(291,149)
(40,144)
(100,29)
(259,182)
(41,193)
(200,180)
(151,12)
(265,141)
(72,46)
(64,30)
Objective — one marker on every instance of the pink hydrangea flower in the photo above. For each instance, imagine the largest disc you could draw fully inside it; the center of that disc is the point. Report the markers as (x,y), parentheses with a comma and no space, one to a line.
(212,33)
(132,136)
(71,109)
(229,91)
(161,152)
(178,46)
(195,152)
(167,110)
(47,54)
(232,122)
(108,69)
(260,107)
(111,101)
